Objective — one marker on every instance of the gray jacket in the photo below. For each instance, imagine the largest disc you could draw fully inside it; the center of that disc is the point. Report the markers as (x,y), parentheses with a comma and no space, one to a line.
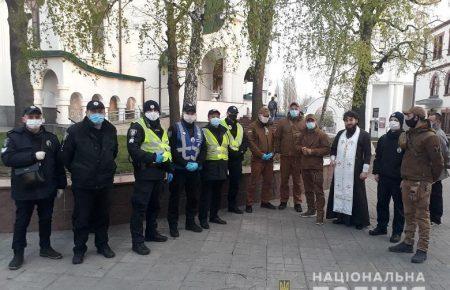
(444,149)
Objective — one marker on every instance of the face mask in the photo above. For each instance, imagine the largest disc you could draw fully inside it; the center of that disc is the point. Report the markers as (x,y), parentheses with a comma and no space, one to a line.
(189,118)
(215,121)
(34,124)
(294,113)
(394,125)
(263,119)
(233,117)
(152,116)
(310,125)
(411,122)
(97,118)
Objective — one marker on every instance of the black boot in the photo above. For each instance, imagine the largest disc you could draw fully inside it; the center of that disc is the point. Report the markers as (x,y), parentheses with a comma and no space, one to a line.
(204,224)
(50,253)
(377,231)
(173,229)
(192,226)
(17,261)
(78,258)
(106,251)
(339,221)
(217,220)
(419,257)
(155,236)
(235,210)
(267,205)
(282,205)
(141,249)
(395,238)
(401,248)
(298,207)
(248,209)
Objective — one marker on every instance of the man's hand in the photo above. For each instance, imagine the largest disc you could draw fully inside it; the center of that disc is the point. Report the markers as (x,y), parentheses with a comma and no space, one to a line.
(306,151)
(59,193)
(40,155)
(377,177)
(363,175)
(159,158)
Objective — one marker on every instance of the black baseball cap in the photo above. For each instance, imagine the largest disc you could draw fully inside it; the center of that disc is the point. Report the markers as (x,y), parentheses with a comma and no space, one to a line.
(189,108)
(233,110)
(94,105)
(151,105)
(213,111)
(32,110)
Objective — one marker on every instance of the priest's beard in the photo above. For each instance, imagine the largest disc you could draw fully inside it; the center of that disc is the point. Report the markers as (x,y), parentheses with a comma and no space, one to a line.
(350,130)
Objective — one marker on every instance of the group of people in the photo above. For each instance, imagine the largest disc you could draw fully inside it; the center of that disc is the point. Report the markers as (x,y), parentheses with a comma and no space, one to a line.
(186,156)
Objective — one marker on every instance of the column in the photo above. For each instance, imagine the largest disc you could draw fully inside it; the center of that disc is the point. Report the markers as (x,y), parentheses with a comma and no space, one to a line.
(62,106)
(227,78)
(391,100)
(38,98)
(121,109)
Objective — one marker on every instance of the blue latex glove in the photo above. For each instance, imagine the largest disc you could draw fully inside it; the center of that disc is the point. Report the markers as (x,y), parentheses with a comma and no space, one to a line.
(192,166)
(169,177)
(270,155)
(265,157)
(159,158)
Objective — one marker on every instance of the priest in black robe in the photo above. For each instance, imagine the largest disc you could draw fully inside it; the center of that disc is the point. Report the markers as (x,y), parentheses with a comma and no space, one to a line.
(347,201)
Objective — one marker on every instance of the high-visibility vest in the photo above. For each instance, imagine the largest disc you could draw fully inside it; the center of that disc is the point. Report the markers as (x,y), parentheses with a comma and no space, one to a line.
(235,143)
(215,151)
(153,144)
(188,146)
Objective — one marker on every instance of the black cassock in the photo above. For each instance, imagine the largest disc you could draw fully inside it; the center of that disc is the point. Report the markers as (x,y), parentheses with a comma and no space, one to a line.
(360,209)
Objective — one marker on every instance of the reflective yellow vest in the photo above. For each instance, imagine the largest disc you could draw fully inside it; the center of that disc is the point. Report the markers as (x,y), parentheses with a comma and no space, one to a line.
(153,144)
(215,151)
(235,143)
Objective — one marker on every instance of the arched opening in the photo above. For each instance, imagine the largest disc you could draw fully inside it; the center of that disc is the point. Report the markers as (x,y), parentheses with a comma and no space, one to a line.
(113,111)
(447,84)
(97,97)
(75,108)
(130,109)
(49,96)
(328,123)
(211,75)
(248,84)
(434,86)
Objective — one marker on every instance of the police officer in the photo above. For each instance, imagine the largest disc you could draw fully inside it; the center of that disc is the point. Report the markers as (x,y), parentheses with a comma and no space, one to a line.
(37,177)
(214,172)
(148,146)
(236,150)
(186,140)
(89,150)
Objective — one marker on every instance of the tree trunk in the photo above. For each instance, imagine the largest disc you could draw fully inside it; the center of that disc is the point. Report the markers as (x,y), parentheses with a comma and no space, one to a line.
(328,91)
(258,82)
(195,48)
(173,84)
(20,71)
(360,94)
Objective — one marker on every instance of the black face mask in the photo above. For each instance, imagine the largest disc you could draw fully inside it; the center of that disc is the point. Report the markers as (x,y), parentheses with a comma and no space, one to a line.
(233,118)
(411,122)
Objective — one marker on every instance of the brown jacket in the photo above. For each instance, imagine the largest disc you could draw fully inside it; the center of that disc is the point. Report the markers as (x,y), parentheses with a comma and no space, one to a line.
(287,134)
(260,138)
(318,141)
(423,159)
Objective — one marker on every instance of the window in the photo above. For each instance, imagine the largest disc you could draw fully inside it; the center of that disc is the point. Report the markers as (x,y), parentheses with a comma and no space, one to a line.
(447,84)
(434,86)
(376,112)
(437,46)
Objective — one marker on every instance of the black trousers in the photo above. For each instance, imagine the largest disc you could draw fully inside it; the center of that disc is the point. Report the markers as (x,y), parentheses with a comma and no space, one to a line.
(210,198)
(91,212)
(145,204)
(188,182)
(24,211)
(235,173)
(387,188)
(436,203)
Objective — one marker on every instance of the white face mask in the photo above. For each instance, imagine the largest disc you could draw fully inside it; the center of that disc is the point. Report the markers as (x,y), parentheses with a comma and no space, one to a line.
(394,125)
(189,118)
(152,116)
(263,119)
(34,124)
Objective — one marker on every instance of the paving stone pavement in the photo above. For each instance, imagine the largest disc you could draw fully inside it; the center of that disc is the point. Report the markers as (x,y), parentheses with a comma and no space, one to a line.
(253,251)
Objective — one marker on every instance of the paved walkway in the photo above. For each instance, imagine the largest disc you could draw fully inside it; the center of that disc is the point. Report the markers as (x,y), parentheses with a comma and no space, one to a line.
(253,251)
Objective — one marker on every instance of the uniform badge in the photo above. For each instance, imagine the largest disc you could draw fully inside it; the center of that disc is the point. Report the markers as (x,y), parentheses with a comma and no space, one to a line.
(48,143)
(399,150)
(133,132)
(131,140)
(95,103)
(152,107)
(192,139)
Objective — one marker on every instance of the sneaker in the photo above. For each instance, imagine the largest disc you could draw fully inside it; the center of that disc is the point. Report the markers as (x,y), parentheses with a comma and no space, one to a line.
(235,210)
(248,209)
(401,248)
(419,257)
(155,236)
(282,205)
(106,251)
(174,233)
(377,231)
(141,249)
(267,205)
(319,220)
(78,258)
(309,213)
(204,224)
(359,227)
(50,253)
(217,220)
(17,261)
(298,207)
(395,238)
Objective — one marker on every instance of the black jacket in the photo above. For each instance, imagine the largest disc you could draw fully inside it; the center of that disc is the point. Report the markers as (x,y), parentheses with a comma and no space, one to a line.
(20,151)
(177,157)
(389,155)
(214,169)
(89,154)
(237,155)
(144,164)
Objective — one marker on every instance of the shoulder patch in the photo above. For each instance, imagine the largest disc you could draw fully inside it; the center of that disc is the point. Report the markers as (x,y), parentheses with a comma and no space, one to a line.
(133,132)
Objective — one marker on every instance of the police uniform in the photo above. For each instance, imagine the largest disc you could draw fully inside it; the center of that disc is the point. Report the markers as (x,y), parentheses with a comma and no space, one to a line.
(19,152)
(214,173)
(186,142)
(145,139)
(236,151)
(89,154)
